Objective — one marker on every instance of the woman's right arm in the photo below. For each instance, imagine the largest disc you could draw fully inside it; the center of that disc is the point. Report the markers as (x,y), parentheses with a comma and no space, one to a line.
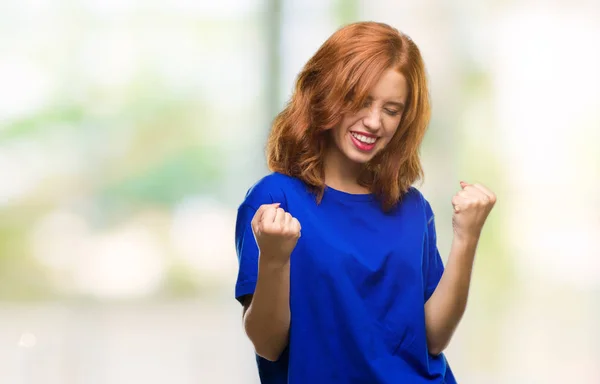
(267,311)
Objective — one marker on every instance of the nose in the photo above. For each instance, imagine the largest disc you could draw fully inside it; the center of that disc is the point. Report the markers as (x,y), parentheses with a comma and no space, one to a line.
(372,120)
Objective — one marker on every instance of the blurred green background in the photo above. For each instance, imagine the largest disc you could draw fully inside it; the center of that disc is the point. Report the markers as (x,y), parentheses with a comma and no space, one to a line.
(131,130)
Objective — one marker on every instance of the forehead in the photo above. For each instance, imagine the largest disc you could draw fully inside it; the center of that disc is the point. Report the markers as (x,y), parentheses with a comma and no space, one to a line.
(391,86)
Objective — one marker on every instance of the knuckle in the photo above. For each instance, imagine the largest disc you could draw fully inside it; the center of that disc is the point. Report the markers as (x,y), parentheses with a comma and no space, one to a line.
(288,232)
(273,226)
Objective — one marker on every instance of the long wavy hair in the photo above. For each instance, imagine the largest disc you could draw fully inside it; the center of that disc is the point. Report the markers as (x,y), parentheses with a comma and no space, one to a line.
(336,81)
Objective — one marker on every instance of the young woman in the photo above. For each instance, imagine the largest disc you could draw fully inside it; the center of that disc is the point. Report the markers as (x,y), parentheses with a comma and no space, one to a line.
(339,273)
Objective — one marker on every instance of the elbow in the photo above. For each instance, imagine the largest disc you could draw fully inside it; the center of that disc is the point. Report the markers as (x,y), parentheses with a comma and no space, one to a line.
(436,347)
(435,351)
(267,344)
(268,348)
(268,352)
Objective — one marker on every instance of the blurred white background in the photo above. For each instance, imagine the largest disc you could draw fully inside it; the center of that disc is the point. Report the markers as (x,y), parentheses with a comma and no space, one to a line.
(131,130)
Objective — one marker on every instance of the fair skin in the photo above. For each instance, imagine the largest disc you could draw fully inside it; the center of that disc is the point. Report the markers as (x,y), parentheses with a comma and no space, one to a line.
(378,120)
(267,312)
(444,309)
(358,138)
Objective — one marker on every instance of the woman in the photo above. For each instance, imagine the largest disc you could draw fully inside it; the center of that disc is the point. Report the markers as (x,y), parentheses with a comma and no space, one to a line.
(339,273)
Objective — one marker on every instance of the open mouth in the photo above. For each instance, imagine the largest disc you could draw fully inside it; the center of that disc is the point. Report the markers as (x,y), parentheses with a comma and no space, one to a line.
(363,142)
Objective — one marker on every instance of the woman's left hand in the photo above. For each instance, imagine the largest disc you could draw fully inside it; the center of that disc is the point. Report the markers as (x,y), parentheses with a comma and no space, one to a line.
(472,206)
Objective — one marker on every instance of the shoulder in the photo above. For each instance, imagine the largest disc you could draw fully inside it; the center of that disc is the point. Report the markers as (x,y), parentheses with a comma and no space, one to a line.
(272,188)
(416,198)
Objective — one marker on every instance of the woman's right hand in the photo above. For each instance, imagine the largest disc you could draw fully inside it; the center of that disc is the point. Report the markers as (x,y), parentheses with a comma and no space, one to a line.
(276,232)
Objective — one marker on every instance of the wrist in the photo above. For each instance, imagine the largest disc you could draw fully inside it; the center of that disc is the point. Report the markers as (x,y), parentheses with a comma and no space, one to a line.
(465,241)
(273,262)
(463,251)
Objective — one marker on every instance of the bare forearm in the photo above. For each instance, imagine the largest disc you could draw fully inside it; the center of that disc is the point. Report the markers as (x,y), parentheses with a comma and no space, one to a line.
(267,320)
(446,306)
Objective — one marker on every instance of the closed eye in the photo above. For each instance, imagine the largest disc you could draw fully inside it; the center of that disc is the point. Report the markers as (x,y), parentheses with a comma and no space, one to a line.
(392,112)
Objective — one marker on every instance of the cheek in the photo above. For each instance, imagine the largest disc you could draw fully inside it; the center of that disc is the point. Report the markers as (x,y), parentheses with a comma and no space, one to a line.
(343,129)
(391,128)
(348,122)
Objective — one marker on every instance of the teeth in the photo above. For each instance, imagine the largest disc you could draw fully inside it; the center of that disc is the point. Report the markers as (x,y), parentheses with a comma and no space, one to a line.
(363,138)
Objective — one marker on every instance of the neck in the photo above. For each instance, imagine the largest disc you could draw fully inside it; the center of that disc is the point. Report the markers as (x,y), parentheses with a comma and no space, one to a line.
(342,174)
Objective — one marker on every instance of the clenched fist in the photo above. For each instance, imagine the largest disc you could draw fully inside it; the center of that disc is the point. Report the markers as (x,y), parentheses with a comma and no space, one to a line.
(276,232)
(472,206)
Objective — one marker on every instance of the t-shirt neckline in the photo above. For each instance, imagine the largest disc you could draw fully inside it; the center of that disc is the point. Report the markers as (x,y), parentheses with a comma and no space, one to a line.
(346,196)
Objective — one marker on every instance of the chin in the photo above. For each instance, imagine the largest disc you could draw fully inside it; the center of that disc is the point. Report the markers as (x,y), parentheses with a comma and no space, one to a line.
(359,157)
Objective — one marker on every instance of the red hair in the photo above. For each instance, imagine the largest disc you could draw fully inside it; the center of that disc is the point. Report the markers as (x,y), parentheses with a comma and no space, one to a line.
(337,80)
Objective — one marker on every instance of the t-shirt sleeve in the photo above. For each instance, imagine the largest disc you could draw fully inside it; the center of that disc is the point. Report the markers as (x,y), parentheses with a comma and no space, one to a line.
(434,266)
(264,192)
(247,252)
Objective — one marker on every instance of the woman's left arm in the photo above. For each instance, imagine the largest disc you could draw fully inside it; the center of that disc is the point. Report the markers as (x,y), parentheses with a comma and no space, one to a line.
(445,307)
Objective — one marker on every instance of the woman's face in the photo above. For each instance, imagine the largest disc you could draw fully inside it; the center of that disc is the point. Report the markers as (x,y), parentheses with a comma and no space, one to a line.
(361,135)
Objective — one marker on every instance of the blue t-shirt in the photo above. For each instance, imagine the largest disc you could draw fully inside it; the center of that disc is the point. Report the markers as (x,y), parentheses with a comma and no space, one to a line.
(359,280)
